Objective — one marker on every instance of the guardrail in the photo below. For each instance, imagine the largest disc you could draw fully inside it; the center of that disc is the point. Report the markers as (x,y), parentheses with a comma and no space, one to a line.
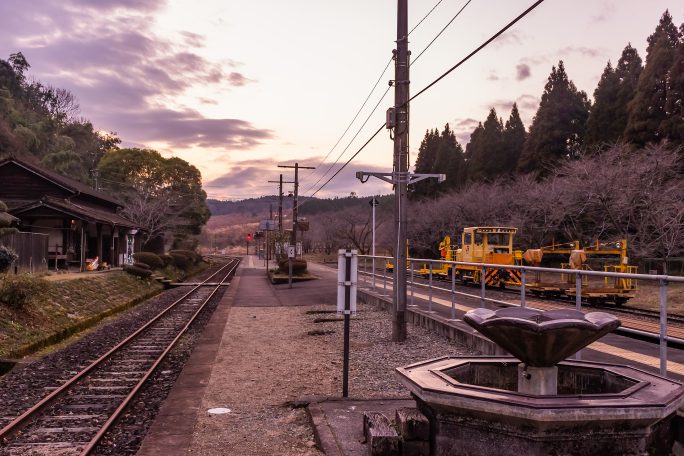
(663,281)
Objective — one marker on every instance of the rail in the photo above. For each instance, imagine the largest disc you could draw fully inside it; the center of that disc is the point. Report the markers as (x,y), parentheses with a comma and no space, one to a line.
(33,411)
(663,281)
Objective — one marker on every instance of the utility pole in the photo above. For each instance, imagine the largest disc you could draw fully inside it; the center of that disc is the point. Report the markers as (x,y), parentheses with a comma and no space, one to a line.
(398,121)
(280,200)
(295,203)
(401,138)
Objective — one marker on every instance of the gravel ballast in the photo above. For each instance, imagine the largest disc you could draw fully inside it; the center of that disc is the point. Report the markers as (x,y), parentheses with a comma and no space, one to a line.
(273,357)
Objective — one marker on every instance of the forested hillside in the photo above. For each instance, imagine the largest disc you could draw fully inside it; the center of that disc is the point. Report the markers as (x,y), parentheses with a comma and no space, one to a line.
(41,123)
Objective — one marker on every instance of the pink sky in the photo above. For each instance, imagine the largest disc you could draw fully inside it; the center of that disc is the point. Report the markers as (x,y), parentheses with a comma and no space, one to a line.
(237,88)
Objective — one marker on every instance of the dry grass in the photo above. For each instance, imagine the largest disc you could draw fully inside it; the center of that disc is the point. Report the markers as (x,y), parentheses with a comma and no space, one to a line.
(67,306)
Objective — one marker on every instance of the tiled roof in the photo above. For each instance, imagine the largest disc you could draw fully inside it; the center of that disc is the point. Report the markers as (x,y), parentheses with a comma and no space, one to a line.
(79,211)
(77,187)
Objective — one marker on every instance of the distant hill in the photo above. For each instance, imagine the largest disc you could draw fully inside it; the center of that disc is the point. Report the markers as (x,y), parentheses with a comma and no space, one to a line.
(259,207)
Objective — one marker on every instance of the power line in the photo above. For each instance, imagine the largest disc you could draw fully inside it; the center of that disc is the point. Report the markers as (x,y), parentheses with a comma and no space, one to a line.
(368,97)
(441,31)
(478,49)
(354,119)
(442,76)
(350,142)
(425,17)
(350,159)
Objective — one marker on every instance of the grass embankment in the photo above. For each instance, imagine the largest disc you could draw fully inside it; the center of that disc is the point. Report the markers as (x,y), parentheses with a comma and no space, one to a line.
(67,307)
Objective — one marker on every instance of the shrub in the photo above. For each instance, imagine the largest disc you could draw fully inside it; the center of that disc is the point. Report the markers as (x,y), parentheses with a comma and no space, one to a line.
(17,290)
(7,257)
(150,259)
(137,271)
(181,260)
(167,259)
(299,266)
(142,266)
(193,256)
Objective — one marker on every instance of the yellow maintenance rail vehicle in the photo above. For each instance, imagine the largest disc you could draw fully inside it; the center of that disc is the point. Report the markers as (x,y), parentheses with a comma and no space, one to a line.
(610,256)
(479,244)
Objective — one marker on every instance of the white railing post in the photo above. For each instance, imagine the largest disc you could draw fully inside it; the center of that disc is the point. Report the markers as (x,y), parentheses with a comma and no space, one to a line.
(412,282)
(523,302)
(578,303)
(483,270)
(453,292)
(430,290)
(663,327)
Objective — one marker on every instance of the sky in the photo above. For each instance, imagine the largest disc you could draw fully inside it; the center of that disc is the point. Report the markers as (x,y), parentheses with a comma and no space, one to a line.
(237,88)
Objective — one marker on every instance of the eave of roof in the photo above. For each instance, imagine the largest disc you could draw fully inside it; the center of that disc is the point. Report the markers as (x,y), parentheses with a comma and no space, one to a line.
(62,181)
(77,211)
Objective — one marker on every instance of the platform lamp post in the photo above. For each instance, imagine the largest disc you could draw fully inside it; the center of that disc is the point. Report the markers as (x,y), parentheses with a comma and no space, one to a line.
(373,202)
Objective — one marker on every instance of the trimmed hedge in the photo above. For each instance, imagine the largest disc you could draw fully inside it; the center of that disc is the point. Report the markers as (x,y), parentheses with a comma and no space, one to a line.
(7,257)
(181,261)
(142,266)
(137,271)
(167,259)
(298,266)
(191,254)
(150,259)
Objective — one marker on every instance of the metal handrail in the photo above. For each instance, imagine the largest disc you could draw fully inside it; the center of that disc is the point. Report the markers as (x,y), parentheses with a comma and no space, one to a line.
(623,275)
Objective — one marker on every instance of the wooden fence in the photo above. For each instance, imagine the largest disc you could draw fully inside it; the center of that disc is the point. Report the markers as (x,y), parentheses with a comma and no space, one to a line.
(32,249)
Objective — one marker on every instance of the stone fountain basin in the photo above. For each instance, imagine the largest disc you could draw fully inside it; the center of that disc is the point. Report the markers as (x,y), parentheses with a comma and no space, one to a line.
(541,338)
(610,394)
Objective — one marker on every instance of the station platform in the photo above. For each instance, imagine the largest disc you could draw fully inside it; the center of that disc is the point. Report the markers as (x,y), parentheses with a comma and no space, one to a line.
(243,346)
(251,305)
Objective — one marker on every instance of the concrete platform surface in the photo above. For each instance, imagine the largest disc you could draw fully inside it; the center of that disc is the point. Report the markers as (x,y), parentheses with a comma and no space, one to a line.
(338,424)
(172,431)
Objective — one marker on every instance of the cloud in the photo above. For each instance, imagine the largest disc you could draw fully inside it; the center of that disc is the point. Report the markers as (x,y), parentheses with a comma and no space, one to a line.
(527,106)
(493,76)
(463,128)
(582,50)
(249,177)
(511,37)
(124,75)
(606,12)
(522,71)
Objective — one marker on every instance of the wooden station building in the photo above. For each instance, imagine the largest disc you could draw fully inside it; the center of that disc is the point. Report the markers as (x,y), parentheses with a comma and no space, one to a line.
(82,223)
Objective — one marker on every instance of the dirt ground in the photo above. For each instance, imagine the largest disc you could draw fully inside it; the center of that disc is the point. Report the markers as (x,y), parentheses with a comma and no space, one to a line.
(273,356)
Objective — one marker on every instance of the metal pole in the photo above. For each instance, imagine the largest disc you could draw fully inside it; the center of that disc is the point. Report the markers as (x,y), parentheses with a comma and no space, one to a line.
(289,278)
(663,328)
(523,302)
(412,282)
(482,286)
(453,292)
(578,292)
(401,143)
(578,303)
(384,279)
(294,208)
(347,312)
(373,204)
(280,207)
(430,290)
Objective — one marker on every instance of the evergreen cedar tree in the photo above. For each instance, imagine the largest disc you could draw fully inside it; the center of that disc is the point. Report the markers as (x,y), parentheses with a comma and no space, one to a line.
(633,103)
(647,113)
(557,130)
(616,89)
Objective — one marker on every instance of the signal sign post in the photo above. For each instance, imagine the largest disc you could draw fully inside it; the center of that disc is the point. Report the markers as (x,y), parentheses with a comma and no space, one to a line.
(248,237)
(347,277)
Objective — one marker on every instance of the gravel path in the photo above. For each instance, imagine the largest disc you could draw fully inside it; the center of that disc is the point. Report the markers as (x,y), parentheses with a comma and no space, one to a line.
(274,356)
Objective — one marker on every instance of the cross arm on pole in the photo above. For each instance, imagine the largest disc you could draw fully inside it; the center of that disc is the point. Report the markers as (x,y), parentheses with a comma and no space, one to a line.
(394,178)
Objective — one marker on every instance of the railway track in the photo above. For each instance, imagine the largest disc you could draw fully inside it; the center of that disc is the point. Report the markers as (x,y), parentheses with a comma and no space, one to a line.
(75,416)
(639,319)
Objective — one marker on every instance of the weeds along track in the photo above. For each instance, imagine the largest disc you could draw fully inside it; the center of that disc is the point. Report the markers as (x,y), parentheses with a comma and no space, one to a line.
(76,415)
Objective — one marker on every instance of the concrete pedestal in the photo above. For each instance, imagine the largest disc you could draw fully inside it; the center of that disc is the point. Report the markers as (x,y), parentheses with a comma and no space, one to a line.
(542,381)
